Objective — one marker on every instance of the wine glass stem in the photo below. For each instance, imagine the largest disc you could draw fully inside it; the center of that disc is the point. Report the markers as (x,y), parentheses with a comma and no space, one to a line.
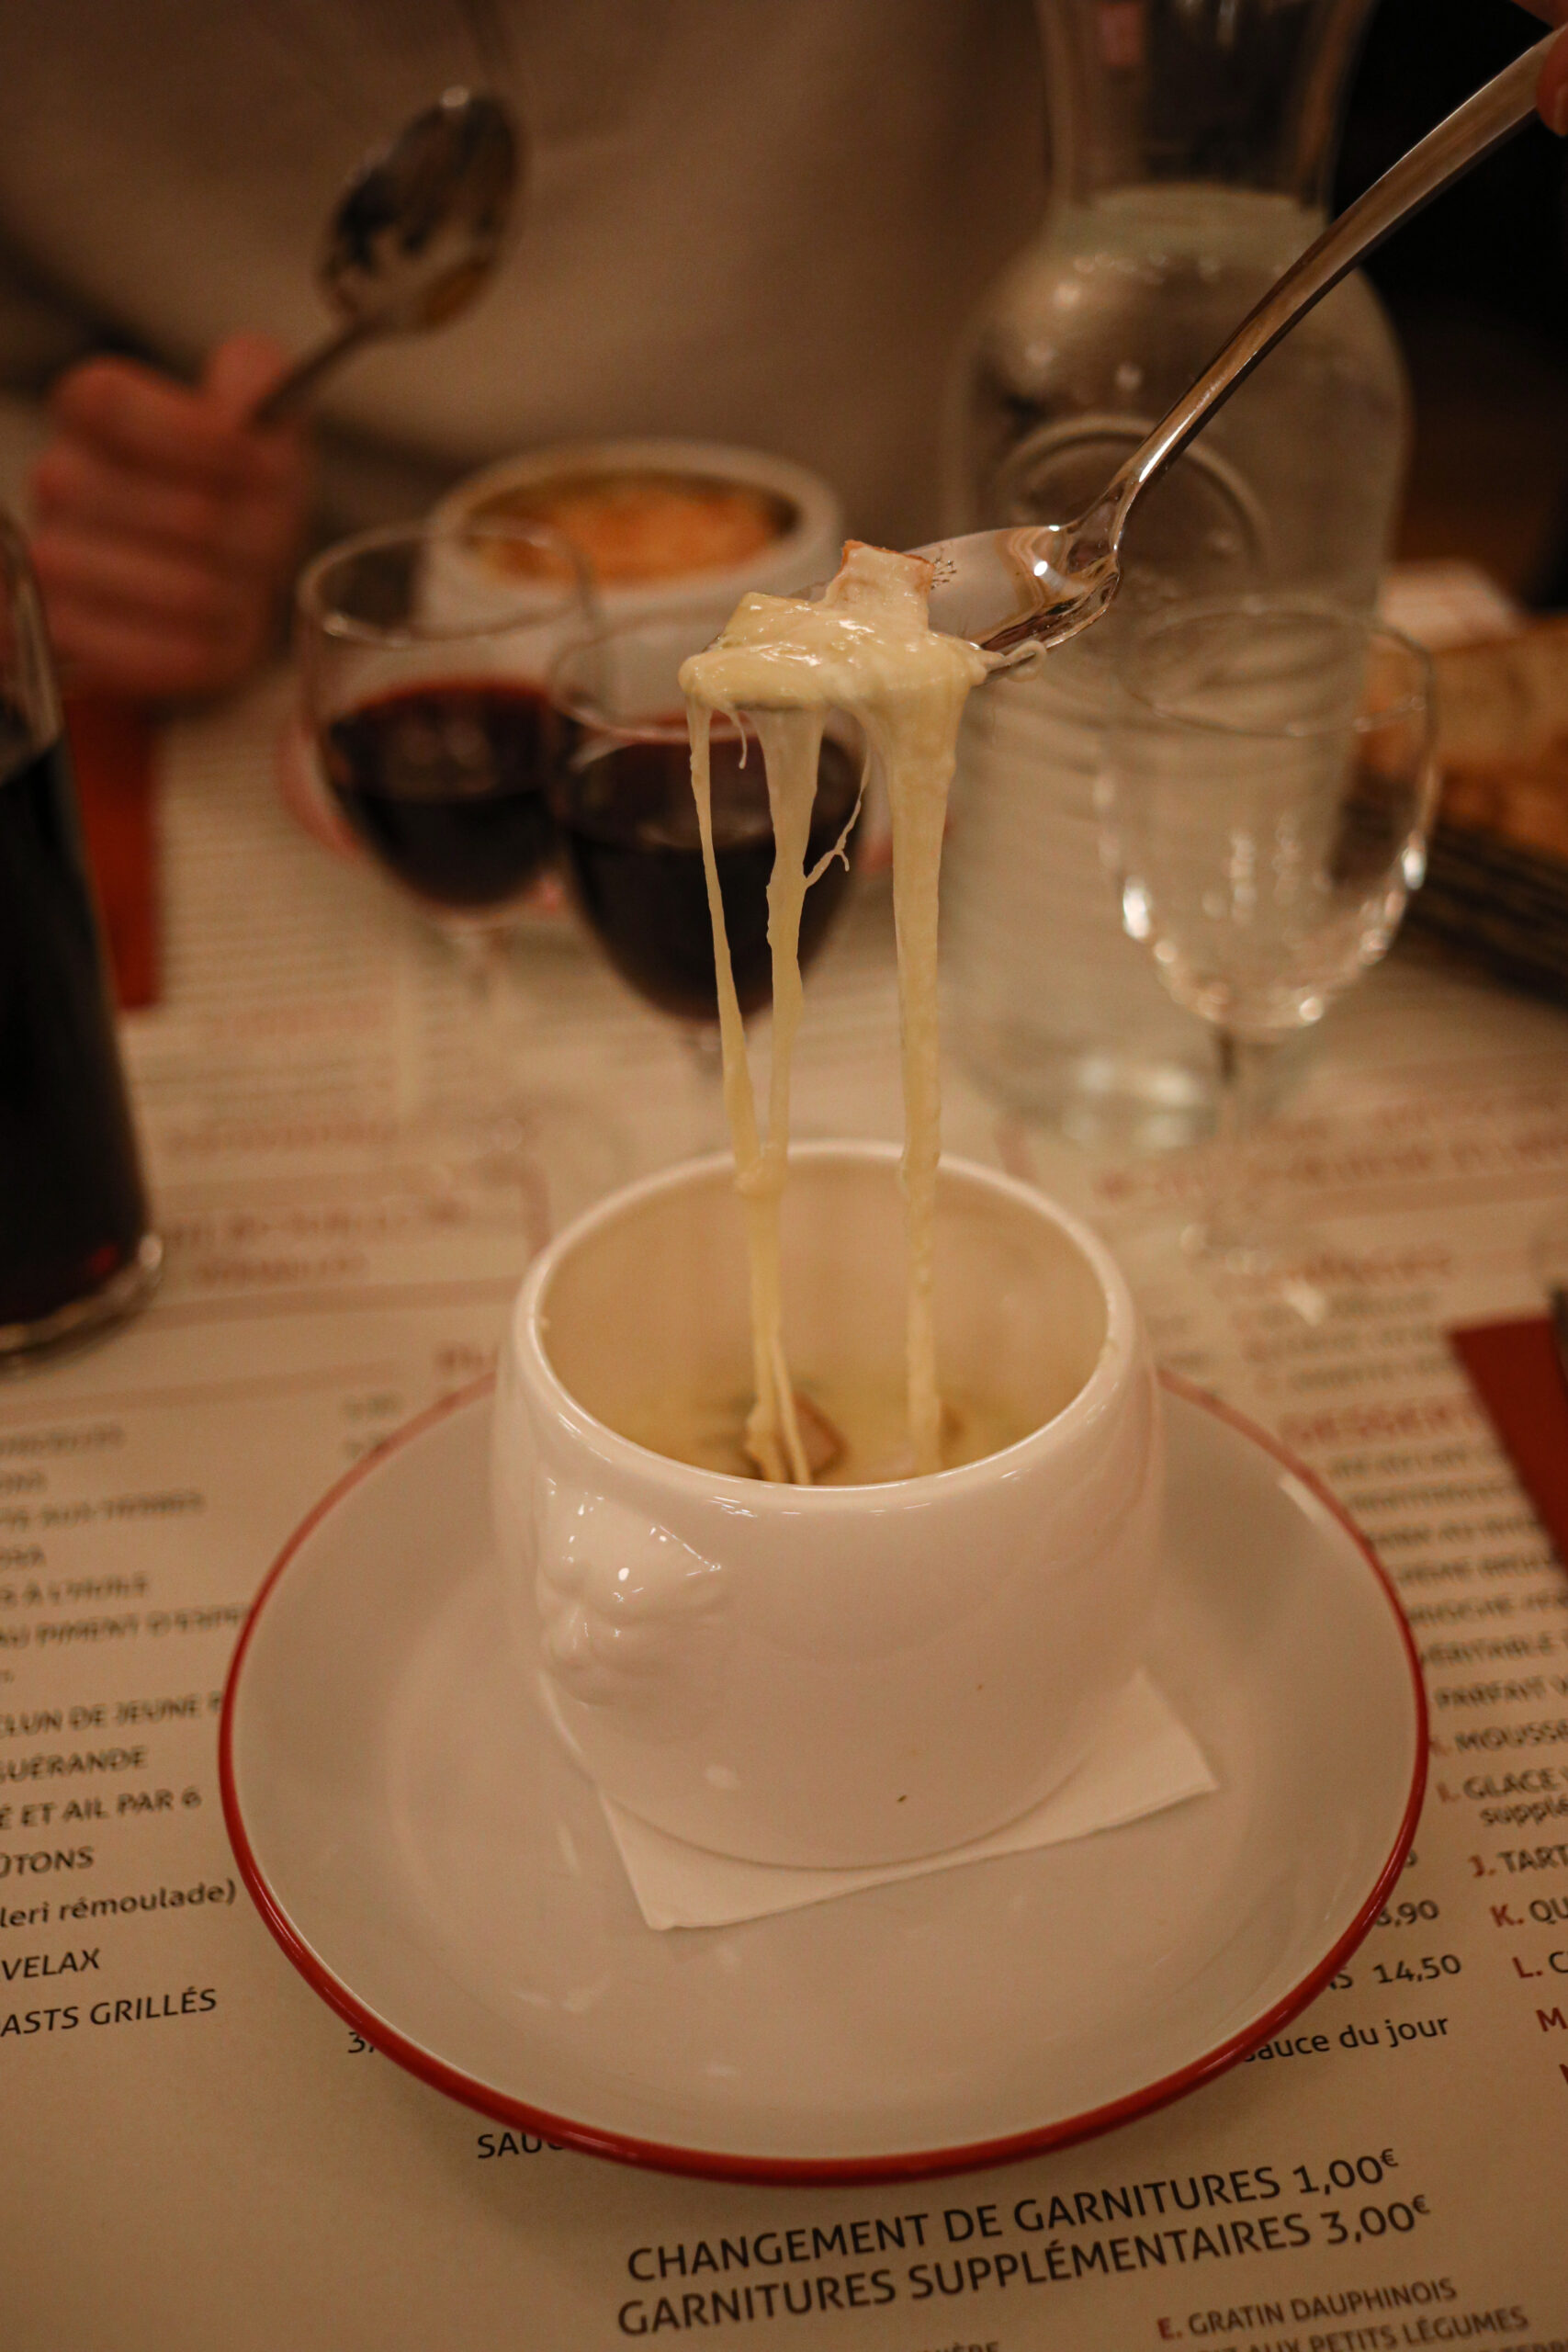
(703,1051)
(1245,1066)
(482,960)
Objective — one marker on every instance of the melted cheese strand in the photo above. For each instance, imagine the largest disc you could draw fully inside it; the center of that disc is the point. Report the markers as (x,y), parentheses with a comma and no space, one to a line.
(866,647)
(773,1433)
(919,748)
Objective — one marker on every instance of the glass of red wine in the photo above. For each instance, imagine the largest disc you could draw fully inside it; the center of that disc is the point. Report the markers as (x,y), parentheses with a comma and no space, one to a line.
(423,652)
(77,1246)
(627,823)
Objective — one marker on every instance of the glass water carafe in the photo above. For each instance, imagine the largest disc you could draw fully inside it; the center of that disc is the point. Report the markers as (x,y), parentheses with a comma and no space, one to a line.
(1192,146)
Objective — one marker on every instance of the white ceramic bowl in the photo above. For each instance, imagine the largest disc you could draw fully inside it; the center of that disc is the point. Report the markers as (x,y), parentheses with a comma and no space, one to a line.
(834,1675)
(806,549)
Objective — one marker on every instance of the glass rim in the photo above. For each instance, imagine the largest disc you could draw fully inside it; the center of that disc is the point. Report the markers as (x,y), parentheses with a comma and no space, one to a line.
(313,608)
(1368,627)
(583,706)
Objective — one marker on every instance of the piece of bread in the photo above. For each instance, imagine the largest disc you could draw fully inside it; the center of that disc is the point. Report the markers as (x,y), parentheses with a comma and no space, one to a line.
(1496,889)
(1503,737)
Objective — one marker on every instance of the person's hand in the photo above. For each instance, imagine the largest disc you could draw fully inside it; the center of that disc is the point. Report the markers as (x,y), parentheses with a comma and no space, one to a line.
(166,526)
(1552,90)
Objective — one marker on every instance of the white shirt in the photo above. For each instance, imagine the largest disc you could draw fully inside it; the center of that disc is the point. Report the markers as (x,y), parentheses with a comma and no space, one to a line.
(753,220)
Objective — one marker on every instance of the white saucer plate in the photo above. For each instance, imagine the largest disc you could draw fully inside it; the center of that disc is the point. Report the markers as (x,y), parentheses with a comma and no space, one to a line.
(441,1874)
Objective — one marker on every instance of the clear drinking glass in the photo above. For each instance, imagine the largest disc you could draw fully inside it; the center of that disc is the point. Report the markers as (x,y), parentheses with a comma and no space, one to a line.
(76,1248)
(1266,790)
(423,652)
(627,824)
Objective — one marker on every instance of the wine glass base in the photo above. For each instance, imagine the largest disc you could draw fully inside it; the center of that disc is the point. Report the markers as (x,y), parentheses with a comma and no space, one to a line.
(1282,1263)
(547,1158)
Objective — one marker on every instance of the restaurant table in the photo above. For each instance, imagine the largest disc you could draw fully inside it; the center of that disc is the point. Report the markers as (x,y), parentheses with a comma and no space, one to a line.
(202,2154)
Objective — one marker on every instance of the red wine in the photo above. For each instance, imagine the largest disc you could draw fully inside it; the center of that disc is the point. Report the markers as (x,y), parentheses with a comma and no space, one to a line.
(446,784)
(630,830)
(72,1210)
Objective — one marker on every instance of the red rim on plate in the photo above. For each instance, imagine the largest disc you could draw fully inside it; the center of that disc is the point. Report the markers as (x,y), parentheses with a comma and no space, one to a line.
(915,2164)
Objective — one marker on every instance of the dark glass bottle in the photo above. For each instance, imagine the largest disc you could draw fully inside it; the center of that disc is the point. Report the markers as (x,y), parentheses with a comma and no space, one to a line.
(76,1249)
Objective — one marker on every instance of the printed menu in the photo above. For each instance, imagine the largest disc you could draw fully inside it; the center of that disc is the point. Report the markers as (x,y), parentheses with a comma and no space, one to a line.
(202,2154)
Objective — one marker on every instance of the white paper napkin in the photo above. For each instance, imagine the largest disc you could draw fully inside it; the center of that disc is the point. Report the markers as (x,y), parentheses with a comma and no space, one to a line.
(1143,1760)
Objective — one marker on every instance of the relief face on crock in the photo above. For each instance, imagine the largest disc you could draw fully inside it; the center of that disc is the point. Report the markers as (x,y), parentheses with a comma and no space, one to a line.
(634,1621)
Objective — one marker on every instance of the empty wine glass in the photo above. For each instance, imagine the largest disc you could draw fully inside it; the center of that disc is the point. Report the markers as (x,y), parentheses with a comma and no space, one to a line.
(627,824)
(1267,786)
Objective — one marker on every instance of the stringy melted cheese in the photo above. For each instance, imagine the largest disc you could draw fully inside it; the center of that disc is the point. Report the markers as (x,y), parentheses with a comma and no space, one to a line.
(866,647)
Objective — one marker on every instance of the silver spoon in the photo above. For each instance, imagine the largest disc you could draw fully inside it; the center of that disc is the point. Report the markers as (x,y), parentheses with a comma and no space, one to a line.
(414,235)
(1040,584)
